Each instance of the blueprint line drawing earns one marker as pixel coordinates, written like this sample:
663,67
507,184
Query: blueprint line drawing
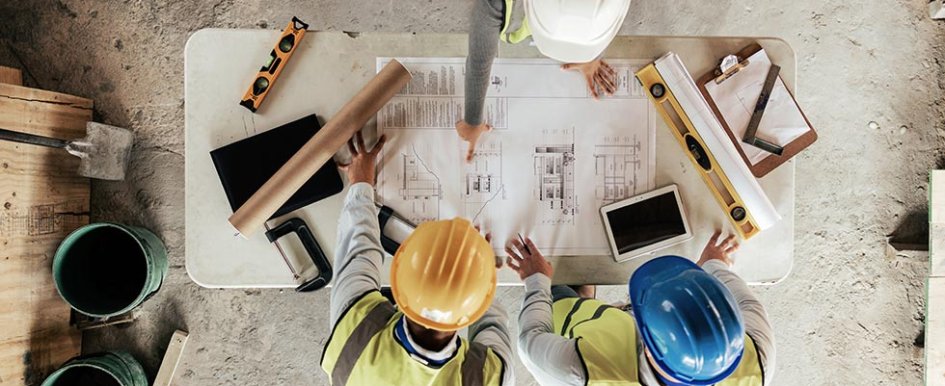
617,165
483,179
555,156
555,175
421,187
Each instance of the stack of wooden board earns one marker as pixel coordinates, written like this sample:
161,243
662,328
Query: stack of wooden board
935,300
42,199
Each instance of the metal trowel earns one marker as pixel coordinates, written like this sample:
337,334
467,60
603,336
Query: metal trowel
104,151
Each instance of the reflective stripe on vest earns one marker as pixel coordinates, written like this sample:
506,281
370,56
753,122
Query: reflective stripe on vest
607,344
606,339
362,350
520,33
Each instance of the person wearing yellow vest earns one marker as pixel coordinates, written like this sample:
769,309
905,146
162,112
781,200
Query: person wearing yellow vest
574,32
443,279
688,324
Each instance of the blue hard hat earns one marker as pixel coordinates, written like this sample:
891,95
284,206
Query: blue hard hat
688,319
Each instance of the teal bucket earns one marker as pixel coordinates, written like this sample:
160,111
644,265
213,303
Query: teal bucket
106,269
104,369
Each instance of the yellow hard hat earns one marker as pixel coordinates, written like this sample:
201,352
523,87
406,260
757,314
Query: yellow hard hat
443,275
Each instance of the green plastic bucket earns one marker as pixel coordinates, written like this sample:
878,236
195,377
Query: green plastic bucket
104,369
106,269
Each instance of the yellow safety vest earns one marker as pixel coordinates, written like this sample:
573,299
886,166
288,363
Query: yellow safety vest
362,350
607,344
520,33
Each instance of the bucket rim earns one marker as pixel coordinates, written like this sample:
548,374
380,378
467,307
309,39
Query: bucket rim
68,366
75,234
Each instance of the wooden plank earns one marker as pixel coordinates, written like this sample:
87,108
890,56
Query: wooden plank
935,333
10,75
165,375
42,199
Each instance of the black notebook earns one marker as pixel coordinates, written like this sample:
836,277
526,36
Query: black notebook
246,165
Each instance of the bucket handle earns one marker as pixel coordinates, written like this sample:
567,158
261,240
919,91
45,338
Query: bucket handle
300,228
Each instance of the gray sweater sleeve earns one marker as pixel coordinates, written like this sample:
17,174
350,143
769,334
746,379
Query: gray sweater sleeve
492,330
551,358
485,24
358,257
757,325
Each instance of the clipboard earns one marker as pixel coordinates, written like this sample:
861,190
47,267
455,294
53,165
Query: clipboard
740,88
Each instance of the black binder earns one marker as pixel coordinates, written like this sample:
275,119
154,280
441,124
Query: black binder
245,165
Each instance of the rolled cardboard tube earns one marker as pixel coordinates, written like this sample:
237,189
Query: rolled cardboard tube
250,217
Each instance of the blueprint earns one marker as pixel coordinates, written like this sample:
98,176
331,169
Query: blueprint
554,157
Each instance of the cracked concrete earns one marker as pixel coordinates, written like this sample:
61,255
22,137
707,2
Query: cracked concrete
871,78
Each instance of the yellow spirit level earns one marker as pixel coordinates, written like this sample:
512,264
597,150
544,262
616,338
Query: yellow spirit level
266,78
748,218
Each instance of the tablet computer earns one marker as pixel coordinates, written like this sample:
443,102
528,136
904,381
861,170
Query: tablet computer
645,223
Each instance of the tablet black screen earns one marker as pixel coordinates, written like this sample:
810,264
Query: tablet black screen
646,222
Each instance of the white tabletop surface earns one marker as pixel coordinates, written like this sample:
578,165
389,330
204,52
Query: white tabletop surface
328,68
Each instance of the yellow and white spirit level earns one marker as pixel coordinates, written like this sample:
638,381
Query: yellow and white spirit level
669,86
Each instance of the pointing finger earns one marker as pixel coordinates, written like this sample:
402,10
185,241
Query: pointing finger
567,66
714,240
351,148
361,142
379,145
471,151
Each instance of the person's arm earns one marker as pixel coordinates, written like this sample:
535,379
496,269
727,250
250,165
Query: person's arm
548,356
359,255
753,312
485,24
492,330
716,260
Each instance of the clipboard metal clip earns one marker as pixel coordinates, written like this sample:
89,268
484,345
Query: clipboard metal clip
729,66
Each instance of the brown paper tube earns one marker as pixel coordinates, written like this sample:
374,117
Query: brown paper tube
318,150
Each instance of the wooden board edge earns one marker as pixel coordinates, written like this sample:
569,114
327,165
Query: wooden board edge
172,357
44,96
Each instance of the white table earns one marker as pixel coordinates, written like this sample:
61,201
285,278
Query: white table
330,67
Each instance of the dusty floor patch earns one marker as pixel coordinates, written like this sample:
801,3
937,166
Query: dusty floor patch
871,77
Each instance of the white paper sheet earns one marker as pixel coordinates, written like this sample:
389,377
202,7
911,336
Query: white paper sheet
737,96
554,158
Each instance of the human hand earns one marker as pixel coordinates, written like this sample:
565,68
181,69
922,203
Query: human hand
362,165
470,133
719,251
600,76
528,260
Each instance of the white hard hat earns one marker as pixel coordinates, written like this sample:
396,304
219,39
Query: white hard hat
574,31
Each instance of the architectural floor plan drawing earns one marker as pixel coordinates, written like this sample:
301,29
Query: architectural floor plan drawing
554,188
555,156
618,167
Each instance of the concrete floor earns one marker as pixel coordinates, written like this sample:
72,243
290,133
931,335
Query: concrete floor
849,314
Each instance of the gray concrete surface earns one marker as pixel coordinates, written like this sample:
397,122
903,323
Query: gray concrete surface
849,314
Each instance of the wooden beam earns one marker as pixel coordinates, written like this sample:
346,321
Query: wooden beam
175,349
10,75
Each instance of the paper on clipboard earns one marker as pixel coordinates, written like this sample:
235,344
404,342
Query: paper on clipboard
736,97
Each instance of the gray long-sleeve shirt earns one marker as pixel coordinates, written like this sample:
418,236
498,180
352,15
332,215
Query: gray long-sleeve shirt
485,24
358,261
553,359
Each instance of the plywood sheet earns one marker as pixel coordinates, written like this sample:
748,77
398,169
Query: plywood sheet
935,333
937,223
41,201
11,75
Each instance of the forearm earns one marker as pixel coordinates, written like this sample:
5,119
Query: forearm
484,27
492,330
358,257
757,325
546,354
